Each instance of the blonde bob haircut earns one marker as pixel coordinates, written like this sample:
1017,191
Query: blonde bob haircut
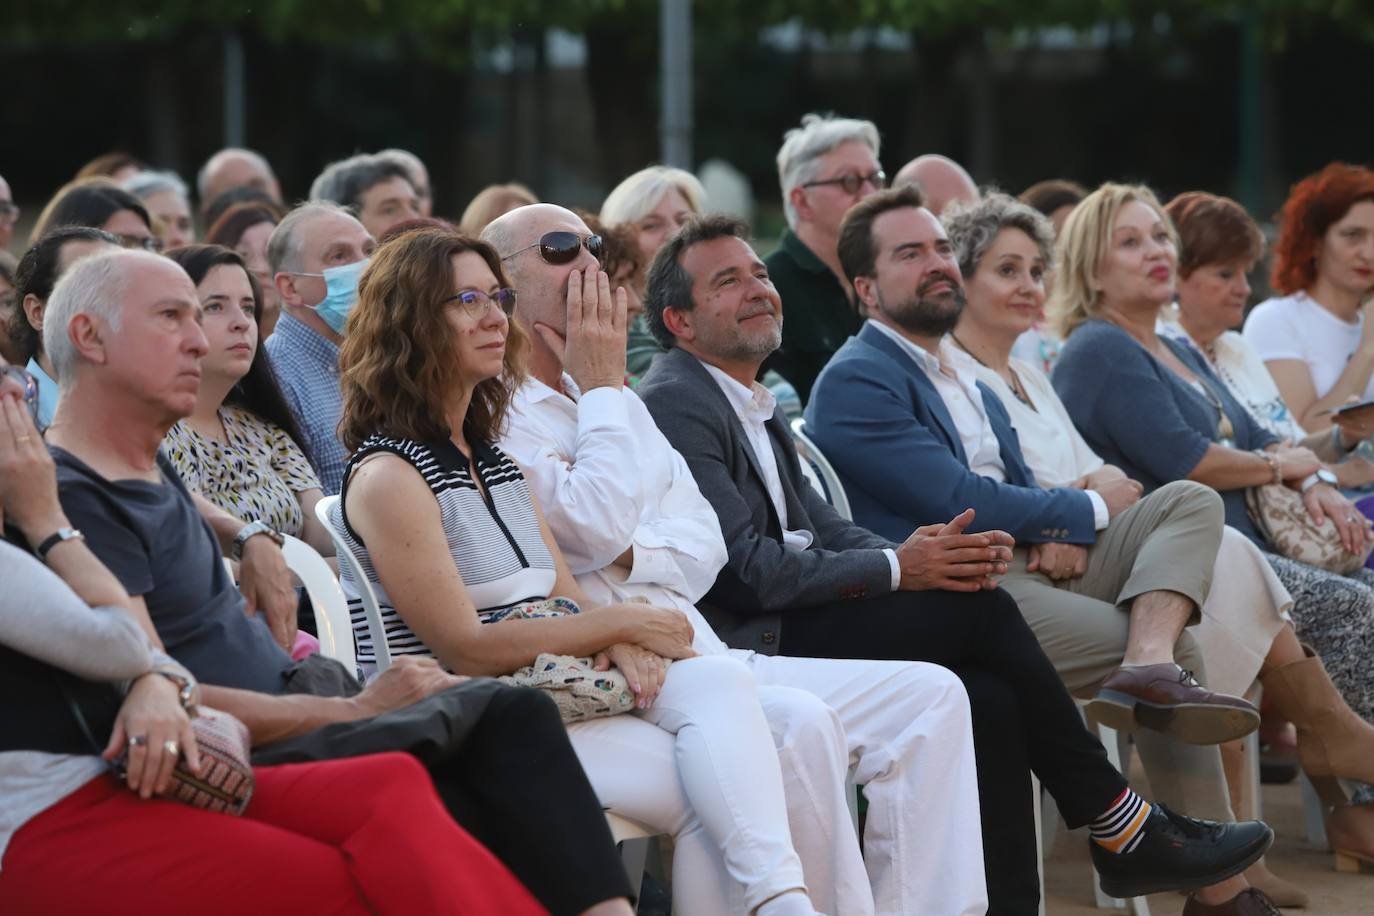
633,199
1081,248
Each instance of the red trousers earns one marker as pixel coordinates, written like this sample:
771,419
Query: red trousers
360,835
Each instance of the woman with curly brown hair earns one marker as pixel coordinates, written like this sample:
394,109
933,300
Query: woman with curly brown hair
1317,336
453,543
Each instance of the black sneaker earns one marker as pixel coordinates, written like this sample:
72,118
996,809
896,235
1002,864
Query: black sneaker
1180,853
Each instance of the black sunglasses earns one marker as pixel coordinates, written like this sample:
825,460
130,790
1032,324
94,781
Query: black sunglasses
853,183
562,247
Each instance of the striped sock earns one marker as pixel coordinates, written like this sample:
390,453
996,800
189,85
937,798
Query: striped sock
1121,827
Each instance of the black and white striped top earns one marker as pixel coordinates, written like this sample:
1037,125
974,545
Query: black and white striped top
495,541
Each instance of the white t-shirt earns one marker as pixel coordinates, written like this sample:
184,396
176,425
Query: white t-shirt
1296,327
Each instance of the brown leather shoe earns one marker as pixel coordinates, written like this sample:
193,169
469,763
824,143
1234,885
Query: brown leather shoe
1249,902
1168,699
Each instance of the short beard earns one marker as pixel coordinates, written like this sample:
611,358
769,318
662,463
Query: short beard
736,346
925,316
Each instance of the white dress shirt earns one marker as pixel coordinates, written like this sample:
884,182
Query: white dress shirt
954,375
754,406
573,451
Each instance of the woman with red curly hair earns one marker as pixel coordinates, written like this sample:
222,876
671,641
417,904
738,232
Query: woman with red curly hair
1317,337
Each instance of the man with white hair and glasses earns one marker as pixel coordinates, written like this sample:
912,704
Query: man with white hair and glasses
825,166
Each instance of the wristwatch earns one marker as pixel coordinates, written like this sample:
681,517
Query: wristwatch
252,529
186,689
1322,475
57,537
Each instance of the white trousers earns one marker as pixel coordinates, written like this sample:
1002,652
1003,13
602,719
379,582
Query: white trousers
906,733
700,765
910,744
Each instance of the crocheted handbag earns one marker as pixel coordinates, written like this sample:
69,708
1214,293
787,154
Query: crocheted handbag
580,691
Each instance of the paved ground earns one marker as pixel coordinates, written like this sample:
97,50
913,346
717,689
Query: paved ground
1069,888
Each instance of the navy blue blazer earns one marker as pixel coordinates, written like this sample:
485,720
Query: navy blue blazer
880,421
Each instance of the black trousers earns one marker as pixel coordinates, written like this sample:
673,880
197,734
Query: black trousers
502,763
1023,719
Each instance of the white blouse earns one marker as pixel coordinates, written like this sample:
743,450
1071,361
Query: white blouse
1054,451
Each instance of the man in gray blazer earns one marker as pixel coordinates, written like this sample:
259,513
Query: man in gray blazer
802,581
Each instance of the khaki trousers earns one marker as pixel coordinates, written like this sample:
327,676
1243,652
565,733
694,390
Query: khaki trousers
1166,542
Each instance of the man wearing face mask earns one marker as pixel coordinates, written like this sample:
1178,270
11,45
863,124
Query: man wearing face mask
316,254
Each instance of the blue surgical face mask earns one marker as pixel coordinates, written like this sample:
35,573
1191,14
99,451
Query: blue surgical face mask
341,292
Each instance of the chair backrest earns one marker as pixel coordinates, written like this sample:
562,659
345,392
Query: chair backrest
372,611
813,461
331,608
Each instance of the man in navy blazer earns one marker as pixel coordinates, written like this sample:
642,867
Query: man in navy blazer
914,435
802,581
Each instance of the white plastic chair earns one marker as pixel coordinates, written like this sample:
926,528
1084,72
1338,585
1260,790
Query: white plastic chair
372,611
813,460
335,631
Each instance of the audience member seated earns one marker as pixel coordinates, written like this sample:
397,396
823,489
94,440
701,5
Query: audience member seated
626,266
631,523
451,540
941,180
241,448
650,205
419,177
1317,337
1003,249
10,311
1153,407
34,280
69,636
375,189
246,227
232,168
9,214
100,204
491,202
1219,246
802,581
164,196
117,166
316,255
125,335
825,166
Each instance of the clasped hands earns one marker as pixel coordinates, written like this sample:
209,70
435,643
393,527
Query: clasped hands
943,557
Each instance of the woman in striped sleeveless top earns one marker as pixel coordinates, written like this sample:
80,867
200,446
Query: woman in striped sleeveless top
449,536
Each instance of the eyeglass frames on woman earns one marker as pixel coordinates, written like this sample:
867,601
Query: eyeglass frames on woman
475,302
28,384
562,247
852,184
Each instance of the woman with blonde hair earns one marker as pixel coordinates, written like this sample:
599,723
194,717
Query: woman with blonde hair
656,201
493,201
1154,407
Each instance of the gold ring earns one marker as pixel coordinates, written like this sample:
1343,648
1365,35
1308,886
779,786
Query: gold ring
23,438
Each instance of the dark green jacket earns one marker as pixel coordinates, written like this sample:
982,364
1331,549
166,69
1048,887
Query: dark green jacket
817,314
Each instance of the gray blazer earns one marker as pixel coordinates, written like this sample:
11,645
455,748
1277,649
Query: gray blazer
763,577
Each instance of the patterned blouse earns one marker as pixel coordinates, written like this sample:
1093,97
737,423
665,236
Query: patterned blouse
255,476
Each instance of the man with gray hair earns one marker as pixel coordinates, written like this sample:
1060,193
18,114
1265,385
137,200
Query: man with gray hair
235,168
825,166
375,188
165,196
316,254
419,176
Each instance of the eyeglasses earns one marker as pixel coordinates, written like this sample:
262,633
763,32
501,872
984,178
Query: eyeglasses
475,302
562,247
28,384
852,184
9,213
149,242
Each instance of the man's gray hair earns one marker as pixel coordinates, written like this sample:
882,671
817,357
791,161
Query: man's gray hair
346,181
802,148
146,184
284,245
973,227
92,286
413,164
203,176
